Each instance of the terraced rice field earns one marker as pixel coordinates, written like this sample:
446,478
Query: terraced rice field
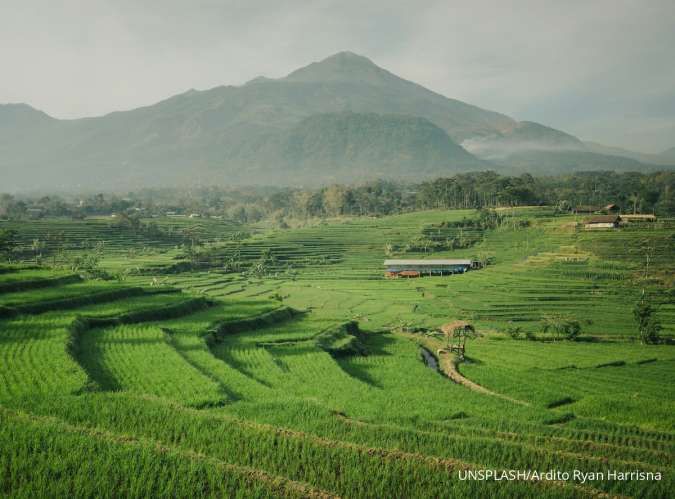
297,381
124,247
78,234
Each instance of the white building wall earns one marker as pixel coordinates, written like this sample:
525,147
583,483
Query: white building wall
599,226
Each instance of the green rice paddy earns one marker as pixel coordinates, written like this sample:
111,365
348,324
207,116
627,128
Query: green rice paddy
286,374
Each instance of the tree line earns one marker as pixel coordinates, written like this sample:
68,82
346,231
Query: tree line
634,192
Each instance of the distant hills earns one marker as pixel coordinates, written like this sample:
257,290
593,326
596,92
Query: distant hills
668,155
340,119
554,162
664,158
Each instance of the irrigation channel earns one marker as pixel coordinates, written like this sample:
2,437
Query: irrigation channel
429,359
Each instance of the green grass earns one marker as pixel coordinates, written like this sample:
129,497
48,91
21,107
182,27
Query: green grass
140,359
222,389
23,275
19,298
83,462
545,373
34,348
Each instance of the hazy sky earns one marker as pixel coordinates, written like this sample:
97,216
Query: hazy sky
602,70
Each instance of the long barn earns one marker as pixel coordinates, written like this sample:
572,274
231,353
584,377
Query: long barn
416,268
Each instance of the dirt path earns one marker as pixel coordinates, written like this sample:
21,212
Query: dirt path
447,364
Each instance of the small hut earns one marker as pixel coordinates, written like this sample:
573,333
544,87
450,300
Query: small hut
456,333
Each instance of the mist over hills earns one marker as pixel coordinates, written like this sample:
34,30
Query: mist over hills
524,136
340,119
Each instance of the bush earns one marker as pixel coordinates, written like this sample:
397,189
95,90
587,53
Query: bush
514,331
649,327
561,327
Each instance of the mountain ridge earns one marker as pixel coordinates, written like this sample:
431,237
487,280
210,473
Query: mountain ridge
236,133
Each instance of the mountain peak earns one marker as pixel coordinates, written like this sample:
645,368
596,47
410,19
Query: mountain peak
347,57
343,66
258,79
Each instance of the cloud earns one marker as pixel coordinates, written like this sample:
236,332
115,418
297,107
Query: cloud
576,65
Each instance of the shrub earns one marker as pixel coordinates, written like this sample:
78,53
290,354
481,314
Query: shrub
649,327
561,327
514,331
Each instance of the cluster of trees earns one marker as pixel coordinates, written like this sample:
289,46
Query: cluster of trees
479,190
487,219
645,193
6,242
633,192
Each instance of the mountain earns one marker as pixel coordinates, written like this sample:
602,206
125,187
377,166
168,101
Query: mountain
346,146
655,159
668,155
21,115
548,162
341,117
368,145
353,82
19,124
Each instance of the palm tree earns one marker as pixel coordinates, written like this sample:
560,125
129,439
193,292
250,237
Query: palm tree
634,198
37,247
388,249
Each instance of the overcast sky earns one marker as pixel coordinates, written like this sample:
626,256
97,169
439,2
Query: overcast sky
602,70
